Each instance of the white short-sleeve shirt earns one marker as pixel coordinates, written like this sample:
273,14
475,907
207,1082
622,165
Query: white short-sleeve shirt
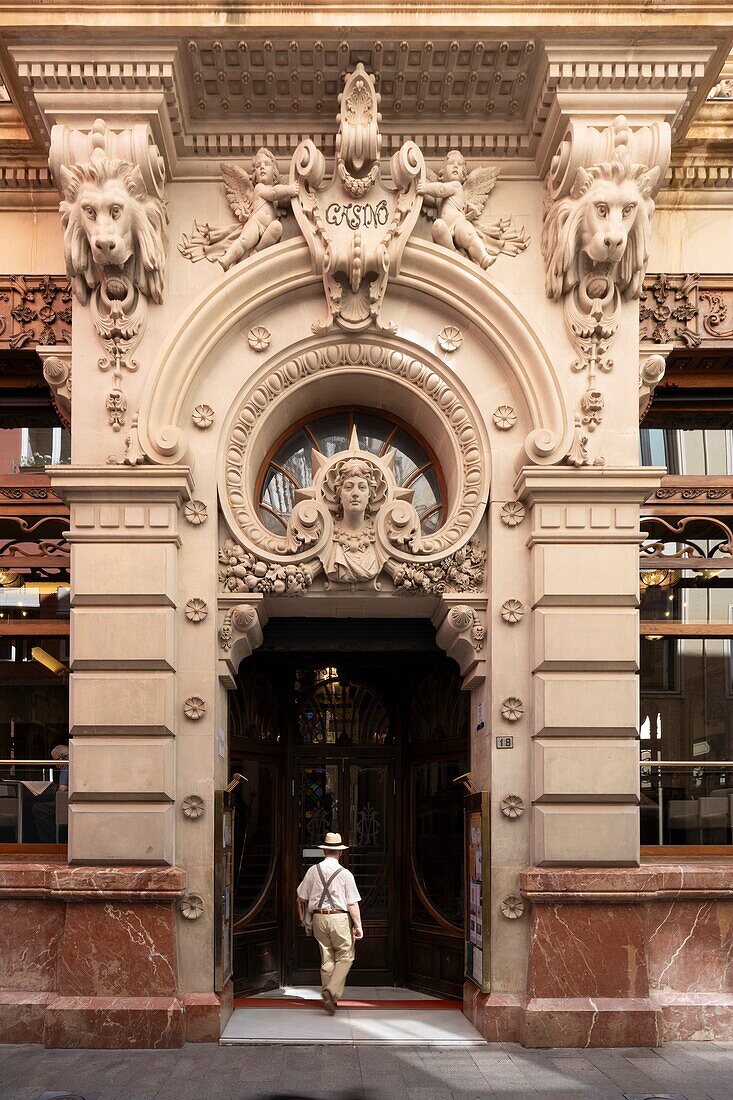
343,888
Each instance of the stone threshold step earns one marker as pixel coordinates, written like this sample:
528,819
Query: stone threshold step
354,1042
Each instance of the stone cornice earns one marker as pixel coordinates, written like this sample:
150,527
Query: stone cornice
563,485
152,484
492,96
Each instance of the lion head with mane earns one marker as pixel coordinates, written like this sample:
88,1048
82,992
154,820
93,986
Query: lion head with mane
605,220
109,220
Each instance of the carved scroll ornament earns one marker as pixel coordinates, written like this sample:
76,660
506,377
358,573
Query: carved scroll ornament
115,238
355,226
596,237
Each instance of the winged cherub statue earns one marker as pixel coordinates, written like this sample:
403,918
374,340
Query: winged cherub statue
460,198
254,201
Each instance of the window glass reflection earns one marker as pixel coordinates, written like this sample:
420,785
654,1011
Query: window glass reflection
290,468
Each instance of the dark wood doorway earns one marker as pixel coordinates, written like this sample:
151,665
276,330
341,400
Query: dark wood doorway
368,744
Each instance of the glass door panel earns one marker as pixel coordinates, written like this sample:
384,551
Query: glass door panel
352,797
368,834
256,886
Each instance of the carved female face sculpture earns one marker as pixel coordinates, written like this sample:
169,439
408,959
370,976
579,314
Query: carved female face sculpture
354,497
355,488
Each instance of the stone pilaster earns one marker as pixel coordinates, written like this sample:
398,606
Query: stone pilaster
124,538
585,643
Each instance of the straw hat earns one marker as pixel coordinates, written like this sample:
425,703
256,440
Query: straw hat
332,843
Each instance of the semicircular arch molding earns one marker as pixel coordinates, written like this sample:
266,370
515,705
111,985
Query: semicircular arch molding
429,272
334,371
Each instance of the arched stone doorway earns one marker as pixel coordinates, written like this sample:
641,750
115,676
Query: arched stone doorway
244,369
358,727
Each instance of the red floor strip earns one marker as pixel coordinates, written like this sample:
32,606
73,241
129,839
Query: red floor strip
300,1002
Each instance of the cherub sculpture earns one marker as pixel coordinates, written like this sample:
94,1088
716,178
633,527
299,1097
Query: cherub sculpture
254,201
460,197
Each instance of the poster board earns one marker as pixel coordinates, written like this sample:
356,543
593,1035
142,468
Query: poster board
478,892
223,884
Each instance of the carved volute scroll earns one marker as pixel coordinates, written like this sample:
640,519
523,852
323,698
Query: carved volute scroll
355,226
115,237
596,238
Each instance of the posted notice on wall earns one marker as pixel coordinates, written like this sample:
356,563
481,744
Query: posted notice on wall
474,947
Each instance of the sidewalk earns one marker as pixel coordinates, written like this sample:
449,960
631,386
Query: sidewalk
685,1071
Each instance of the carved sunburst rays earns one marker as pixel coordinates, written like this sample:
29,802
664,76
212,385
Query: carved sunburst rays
328,474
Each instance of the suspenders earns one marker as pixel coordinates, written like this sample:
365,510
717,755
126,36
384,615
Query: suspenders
326,895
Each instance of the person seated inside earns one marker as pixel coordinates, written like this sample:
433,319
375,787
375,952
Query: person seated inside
44,805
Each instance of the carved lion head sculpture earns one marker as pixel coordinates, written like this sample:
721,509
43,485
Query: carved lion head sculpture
606,219
110,220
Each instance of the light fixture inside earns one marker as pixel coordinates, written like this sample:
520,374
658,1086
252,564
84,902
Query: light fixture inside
48,661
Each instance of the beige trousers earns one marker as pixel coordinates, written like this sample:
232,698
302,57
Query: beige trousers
336,941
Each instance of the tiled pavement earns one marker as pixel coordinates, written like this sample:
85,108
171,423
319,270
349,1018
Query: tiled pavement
693,1071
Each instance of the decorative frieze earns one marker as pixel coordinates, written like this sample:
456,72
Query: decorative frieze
34,309
689,312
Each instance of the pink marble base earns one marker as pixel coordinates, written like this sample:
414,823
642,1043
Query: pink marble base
207,1014
88,956
621,956
116,1023
499,1017
22,1016
702,1016
596,1022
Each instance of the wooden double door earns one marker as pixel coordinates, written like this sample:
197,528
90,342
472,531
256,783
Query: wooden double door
369,750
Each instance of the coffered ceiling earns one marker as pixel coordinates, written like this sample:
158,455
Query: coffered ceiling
212,95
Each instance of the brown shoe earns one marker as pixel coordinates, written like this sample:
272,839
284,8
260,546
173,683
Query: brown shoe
328,1002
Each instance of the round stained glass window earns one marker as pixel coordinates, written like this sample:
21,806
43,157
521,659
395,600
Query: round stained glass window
290,466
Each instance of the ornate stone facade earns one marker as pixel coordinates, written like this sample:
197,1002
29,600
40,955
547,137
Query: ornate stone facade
450,228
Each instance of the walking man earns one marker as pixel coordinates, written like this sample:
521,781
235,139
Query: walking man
328,898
